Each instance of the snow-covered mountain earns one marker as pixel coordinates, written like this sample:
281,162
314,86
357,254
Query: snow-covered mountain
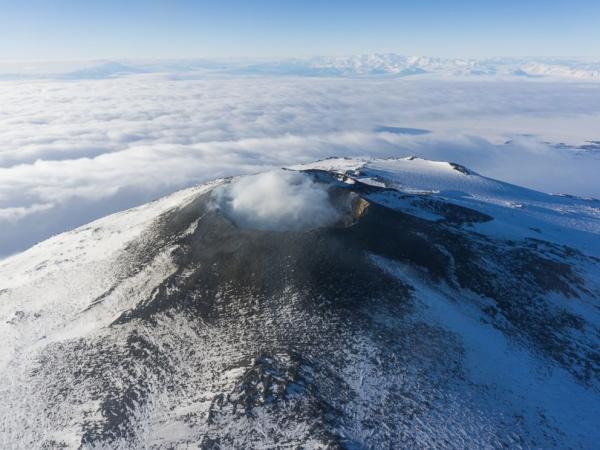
347,303
396,64
366,65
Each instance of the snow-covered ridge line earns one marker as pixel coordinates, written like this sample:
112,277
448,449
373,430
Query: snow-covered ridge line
430,311
393,64
518,212
366,65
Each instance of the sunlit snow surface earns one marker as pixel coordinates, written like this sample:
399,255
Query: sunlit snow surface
166,326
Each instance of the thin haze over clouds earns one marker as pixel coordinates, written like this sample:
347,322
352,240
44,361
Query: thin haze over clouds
75,150
59,29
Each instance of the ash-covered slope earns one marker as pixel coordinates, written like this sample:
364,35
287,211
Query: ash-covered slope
342,304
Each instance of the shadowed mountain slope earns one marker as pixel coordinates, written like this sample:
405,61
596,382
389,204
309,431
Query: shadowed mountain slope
431,307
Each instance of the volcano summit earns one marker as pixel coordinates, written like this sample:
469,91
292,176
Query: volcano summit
352,304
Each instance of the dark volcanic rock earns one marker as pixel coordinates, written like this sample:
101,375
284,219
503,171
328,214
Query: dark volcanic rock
325,337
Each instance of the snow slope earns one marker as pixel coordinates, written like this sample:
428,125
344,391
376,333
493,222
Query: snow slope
518,212
445,310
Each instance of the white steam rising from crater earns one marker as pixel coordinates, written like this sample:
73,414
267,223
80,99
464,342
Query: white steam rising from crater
278,200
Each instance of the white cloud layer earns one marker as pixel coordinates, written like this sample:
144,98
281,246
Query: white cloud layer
74,150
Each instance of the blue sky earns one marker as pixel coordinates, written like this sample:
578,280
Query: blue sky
63,29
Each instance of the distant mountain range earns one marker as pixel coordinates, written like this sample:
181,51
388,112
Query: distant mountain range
398,65
368,65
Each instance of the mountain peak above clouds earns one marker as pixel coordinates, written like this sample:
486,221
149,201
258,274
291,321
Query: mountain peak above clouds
346,303
364,65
